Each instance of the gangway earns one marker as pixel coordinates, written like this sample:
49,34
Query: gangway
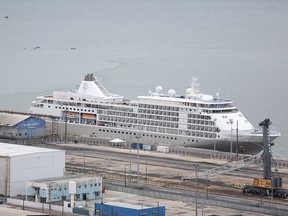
226,168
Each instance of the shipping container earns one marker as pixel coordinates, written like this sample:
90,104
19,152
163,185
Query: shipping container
135,145
147,147
163,149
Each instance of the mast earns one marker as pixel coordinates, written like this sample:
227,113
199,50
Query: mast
266,156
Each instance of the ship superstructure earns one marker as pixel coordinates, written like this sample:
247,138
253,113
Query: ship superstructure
192,120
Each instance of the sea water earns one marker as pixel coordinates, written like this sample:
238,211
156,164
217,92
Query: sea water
238,49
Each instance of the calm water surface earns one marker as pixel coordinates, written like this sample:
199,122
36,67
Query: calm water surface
237,48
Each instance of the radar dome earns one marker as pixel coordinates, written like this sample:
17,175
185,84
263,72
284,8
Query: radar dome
171,93
159,89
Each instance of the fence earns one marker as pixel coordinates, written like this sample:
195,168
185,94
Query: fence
191,152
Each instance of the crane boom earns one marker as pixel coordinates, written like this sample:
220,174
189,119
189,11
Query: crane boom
225,168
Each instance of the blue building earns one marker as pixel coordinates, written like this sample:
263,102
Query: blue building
124,209
18,126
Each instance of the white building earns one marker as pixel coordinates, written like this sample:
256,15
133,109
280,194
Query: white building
57,189
19,164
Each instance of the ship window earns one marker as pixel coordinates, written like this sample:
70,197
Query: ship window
48,106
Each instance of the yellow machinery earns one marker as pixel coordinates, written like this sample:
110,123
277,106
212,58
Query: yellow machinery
268,185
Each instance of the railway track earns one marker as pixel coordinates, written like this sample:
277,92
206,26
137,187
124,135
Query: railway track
111,165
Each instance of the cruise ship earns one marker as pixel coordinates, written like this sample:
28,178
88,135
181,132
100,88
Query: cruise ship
193,119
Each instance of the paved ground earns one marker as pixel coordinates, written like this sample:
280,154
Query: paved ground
172,207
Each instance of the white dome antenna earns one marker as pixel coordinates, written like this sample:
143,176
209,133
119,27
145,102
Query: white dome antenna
159,89
171,93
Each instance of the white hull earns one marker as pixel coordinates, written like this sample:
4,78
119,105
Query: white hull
246,143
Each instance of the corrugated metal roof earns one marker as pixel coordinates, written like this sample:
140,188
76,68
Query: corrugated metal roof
10,150
7,119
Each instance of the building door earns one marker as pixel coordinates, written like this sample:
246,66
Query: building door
31,132
84,196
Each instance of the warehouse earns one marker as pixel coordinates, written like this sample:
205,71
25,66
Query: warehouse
18,126
19,164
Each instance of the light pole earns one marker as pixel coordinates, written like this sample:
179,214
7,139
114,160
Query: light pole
237,131
137,137
130,162
84,162
65,125
215,119
125,176
196,181
231,122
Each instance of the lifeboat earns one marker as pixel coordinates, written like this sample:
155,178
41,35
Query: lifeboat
89,116
72,114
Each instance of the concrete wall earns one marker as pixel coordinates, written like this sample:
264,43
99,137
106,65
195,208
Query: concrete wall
34,166
45,207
